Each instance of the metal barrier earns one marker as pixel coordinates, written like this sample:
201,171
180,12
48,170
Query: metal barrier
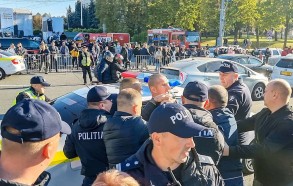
49,63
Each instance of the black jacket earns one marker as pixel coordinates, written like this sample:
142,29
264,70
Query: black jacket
143,168
86,141
240,103
205,144
43,180
229,167
273,148
148,109
123,136
116,67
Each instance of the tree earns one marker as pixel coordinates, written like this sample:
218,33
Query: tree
93,21
37,22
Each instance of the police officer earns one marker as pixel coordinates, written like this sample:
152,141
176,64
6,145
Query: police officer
239,97
169,157
86,139
86,61
194,98
126,120
35,91
230,168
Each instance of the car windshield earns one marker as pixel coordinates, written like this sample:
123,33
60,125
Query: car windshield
192,38
285,63
225,57
6,53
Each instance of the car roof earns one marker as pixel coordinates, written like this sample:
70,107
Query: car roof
287,57
187,62
113,89
233,55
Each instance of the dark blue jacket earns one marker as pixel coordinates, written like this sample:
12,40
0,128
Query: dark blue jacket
223,117
142,167
104,71
123,136
144,51
240,103
86,141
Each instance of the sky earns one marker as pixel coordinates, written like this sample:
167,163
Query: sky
54,7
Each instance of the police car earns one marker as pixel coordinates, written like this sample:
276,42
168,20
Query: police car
64,171
10,64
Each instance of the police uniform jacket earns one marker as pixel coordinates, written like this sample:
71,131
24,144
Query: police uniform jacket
148,109
273,148
23,95
240,103
229,167
209,144
104,71
86,141
123,136
43,180
143,168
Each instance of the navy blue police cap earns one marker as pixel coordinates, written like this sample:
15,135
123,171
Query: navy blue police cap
35,120
39,80
227,67
196,91
98,93
173,118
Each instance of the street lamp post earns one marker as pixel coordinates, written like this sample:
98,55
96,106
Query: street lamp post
81,21
222,23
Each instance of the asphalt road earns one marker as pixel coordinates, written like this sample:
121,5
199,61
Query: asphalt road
62,83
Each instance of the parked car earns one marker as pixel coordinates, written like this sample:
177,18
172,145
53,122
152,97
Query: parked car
10,64
251,62
284,69
275,55
205,70
31,46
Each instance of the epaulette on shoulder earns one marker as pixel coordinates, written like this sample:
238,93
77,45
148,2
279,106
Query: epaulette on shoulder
206,159
128,164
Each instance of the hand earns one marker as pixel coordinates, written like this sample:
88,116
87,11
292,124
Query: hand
164,98
226,150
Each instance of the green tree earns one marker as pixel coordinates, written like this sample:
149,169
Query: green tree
93,21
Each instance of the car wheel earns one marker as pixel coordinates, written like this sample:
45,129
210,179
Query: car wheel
2,74
258,91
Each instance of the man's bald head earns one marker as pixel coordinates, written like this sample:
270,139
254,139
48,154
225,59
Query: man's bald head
130,83
154,79
283,88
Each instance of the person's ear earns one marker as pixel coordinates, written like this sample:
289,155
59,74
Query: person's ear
135,110
206,104
47,151
153,89
156,138
183,99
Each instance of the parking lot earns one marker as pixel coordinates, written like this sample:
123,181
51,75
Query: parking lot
62,83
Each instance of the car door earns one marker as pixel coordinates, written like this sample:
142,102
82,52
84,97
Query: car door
210,75
256,65
245,76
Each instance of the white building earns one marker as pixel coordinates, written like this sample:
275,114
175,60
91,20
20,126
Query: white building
24,20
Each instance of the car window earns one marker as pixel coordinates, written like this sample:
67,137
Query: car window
254,61
275,52
241,70
242,60
6,53
213,66
285,63
33,44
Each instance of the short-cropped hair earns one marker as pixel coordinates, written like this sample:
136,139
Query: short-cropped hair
128,97
114,178
218,95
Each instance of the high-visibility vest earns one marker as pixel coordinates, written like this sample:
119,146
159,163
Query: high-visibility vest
86,59
30,93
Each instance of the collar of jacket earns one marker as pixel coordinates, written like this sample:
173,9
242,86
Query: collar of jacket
35,92
236,83
281,110
191,106
120,113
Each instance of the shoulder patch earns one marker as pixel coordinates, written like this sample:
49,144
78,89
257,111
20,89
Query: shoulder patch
206,133
205,159
128,164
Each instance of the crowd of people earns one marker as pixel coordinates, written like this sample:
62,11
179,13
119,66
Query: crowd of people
198,142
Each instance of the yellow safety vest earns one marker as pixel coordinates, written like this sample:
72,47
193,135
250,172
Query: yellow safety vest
86,59
30,93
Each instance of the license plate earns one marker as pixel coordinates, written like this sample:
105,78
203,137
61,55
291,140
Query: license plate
286,73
